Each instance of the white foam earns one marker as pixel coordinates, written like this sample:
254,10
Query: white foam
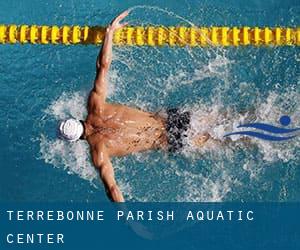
200,188
72,157
214,118
68,105
271,110
216,121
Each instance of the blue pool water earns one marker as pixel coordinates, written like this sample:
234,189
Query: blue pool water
42,84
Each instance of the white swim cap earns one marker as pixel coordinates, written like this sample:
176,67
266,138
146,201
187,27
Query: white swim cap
70,130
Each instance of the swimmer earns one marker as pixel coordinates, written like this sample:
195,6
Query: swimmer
114,130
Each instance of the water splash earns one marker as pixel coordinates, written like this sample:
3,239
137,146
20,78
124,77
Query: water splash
215,85
192,185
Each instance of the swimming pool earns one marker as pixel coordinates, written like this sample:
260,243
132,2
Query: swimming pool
42,84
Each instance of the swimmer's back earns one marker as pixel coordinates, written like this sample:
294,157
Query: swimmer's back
126,130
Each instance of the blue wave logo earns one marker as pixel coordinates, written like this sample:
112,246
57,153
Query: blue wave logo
279,133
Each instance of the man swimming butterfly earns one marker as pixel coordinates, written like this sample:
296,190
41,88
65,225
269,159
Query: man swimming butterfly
117,130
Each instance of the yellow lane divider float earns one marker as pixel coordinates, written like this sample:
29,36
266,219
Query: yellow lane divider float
152,36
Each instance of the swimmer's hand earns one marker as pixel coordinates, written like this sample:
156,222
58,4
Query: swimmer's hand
115,24
105,57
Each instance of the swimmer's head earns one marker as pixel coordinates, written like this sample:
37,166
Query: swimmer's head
70,130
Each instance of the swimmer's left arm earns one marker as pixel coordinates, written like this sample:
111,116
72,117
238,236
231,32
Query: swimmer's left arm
103,164
105,56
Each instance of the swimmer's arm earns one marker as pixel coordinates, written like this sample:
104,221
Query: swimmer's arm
103,164
105,56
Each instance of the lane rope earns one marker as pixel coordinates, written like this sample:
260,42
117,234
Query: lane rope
152,35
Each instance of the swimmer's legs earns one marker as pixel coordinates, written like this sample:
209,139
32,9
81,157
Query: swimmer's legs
200,140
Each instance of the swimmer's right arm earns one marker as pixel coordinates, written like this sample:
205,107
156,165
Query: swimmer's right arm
103,164
105,56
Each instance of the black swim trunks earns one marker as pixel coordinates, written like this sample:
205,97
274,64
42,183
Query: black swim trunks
177,125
